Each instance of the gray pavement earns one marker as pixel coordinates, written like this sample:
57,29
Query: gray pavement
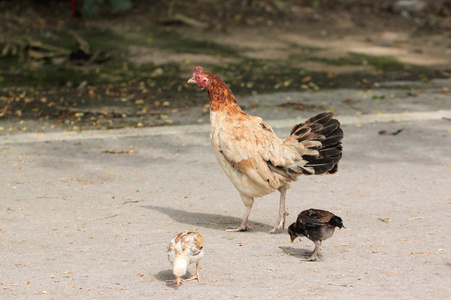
78,222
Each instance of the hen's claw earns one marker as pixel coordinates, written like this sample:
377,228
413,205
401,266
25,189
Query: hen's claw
280,224
239,228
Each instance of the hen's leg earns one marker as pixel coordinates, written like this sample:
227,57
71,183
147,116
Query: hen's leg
244,226
282,212
313,257
197,274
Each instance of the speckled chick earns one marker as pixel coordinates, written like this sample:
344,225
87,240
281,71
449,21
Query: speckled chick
315,224
186,248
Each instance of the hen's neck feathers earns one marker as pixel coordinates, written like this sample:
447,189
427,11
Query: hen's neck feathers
221,96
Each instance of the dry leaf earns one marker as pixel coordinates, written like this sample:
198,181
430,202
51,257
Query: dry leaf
415,218
337,284
384,132
385,220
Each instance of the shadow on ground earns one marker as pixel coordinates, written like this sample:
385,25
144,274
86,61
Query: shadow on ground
211,221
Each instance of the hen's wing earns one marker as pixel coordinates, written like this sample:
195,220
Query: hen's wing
252,147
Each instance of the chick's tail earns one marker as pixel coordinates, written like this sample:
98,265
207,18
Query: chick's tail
319,143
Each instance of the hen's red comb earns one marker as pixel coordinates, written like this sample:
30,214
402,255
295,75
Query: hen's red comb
199,69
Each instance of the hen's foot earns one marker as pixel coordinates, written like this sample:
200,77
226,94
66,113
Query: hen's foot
312,258
280,224
276,230
239,228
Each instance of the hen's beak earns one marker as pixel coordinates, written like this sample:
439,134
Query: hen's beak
192,80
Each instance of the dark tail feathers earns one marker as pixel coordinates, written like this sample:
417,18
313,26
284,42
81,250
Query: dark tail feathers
325,129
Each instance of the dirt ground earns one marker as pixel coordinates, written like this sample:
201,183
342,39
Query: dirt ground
80,223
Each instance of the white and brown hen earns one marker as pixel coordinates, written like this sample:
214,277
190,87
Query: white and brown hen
255,159
186,248
315,224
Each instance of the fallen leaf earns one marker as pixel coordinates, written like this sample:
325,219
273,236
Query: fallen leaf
337,284
385,220
384,132
120,152
415,218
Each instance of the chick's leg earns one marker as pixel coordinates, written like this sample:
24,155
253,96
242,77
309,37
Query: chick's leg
282,212
244,226
196,276
313,257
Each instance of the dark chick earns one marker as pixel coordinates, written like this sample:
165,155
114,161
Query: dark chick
315,224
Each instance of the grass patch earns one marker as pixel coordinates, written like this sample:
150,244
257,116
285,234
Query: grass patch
383,63
174,41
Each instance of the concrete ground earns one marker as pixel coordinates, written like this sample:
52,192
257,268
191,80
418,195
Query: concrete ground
90,215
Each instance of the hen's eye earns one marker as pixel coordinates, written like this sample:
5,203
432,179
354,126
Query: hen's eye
198,77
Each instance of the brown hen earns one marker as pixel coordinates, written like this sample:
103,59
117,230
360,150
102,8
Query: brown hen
255,159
